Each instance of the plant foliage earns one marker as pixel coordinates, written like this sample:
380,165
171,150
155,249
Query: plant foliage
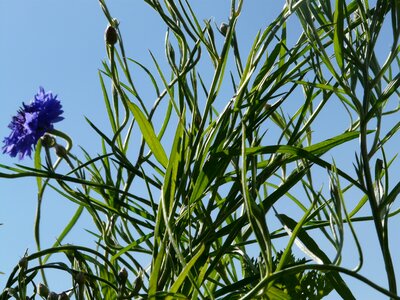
209,191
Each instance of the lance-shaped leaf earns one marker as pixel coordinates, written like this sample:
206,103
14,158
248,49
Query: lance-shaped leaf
149,135
338,20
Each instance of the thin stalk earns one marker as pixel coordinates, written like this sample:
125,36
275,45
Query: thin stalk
383,241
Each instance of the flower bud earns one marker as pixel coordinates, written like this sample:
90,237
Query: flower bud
122,276
60,151
43,290
111,35
48,140
52,296
137,284
223,28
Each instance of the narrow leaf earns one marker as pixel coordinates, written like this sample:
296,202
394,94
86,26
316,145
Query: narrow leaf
185,272
149,135
338,20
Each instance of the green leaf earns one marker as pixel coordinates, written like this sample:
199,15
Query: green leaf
303,236
338,20
155,271
135,243
170,179
324,146
277,294
185,272
149,135
296,152
211,170
322,86
391,88
266,68
107,104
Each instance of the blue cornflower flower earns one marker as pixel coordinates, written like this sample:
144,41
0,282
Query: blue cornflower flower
31,123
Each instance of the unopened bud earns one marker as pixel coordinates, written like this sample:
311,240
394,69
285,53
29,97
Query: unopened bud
137,284
111,35
123,276
52,296
223,28
48,140
60,151
43,290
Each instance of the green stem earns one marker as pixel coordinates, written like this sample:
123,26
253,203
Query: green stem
383,240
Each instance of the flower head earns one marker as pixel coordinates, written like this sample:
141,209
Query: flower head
31,123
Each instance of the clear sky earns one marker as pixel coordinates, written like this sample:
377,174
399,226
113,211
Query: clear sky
59,45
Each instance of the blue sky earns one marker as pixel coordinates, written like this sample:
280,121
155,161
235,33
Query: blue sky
59,45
